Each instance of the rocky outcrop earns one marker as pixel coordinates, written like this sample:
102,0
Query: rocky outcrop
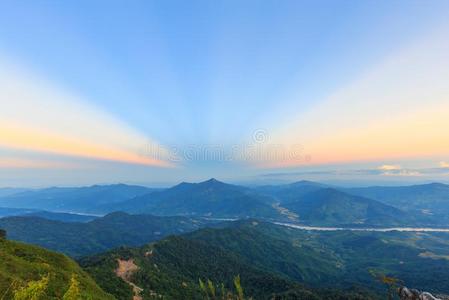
413,294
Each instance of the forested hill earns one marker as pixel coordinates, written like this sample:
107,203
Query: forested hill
111,231
173,267
27,270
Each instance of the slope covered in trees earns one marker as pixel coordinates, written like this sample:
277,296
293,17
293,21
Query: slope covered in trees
27,270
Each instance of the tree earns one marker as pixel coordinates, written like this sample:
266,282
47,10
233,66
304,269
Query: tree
238,287
73,293
34,290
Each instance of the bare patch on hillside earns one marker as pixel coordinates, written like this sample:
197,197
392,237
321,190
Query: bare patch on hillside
125,270
284,211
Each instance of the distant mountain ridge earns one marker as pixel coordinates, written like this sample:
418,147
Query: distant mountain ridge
333,207
432,198
285,193
211,198
425,204
8,191
50,215
80,199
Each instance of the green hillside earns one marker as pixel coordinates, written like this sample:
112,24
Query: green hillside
273,251
21,265
173,267
113,230
338,259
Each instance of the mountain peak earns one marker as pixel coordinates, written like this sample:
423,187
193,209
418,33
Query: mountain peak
212,181
306,182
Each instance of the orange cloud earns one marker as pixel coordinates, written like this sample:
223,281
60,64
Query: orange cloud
408,136
397,110
37,115
18,137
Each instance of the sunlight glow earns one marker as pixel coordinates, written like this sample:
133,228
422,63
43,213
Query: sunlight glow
39,117
397,110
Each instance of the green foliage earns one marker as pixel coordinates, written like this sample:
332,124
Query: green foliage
339,259
73,293
183,268
22,267
271,260
211,288
203,288
176,264
256,245
238,287
223,291
34,290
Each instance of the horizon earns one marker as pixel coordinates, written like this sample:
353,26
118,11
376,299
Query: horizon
154,93
250,184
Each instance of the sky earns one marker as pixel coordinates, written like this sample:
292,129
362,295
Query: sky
158,92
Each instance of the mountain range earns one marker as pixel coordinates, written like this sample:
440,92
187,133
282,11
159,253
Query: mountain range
329,206
306,202
210,198
285,193
69,199
50,215
174,253
113,230
431,198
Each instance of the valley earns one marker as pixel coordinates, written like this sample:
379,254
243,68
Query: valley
323,243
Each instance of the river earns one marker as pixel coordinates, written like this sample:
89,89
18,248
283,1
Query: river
386,229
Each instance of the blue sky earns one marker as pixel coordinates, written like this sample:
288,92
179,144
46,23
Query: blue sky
184,76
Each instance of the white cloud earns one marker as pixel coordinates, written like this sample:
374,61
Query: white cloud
444,165
390,167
